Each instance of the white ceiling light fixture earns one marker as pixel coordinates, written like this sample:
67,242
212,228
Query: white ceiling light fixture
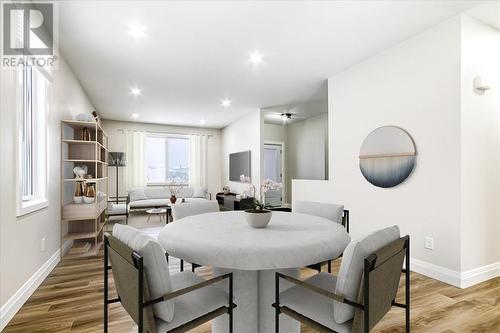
134,116
256,58
137,30
135,91
226,103
203,122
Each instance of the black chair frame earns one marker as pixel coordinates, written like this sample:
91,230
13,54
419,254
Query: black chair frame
120,199
138,263
369,265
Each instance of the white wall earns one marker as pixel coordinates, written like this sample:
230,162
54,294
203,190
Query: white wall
308,148
20,238
117,143
274,133
480,162
241,135
425,86
415,85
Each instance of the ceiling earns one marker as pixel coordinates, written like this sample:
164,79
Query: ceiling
196,53
297,111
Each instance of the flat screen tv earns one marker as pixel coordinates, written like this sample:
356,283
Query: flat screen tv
239,164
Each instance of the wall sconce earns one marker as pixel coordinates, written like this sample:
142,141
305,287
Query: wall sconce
479,87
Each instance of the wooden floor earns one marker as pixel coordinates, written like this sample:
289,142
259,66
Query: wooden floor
70,300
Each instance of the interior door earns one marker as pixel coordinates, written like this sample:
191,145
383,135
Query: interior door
273,154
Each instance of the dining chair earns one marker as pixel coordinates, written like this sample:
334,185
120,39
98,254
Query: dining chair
360,296
156,300
185,209
333,212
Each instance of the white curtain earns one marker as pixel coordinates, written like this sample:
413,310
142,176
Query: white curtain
135,172
198,160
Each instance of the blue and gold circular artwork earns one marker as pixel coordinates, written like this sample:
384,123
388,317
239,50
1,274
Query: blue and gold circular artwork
387,156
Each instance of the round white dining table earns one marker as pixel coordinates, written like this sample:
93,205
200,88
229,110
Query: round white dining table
226,242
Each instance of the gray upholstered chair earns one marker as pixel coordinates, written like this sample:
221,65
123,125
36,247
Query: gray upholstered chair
333,212
360,296
156,300
186,209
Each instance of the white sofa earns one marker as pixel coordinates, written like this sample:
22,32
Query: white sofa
159,196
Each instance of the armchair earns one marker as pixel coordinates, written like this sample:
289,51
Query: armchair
355,302
139,277
333,212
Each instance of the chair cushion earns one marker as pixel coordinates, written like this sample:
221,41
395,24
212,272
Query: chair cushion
313,305
194,304
155,265
137,193
181,210
351,268
196,200
329,211
149,203
117,208
156,192
199,192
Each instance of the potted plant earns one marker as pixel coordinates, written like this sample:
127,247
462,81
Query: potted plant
258,216
174,188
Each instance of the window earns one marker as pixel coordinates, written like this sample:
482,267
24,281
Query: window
32,120
167,159
27,141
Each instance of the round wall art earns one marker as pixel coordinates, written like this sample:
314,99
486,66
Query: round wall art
387,156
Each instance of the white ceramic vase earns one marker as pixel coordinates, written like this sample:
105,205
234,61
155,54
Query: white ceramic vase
78,199
88,200
258,219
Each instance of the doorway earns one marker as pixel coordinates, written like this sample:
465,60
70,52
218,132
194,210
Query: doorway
273,169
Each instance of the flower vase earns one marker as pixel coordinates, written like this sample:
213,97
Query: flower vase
258,218
173,199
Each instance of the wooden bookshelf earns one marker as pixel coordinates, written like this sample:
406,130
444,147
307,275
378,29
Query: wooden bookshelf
83,143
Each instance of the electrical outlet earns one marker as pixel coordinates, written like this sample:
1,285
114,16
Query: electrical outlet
429,243
43,244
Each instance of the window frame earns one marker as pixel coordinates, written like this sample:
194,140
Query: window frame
39,164
166,136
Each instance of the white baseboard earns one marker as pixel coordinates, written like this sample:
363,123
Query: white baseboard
10,308
436,272
480,274
461,280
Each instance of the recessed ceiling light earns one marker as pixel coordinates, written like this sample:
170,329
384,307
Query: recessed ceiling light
225,103
135,91
137,30
134,116
255,58
203,122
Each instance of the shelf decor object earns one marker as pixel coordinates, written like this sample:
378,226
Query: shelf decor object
117,159
84,187
387,156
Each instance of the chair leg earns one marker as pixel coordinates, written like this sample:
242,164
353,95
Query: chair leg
277,304
407,287
231,303
231,321
105,286
192,268
329,266
182,265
